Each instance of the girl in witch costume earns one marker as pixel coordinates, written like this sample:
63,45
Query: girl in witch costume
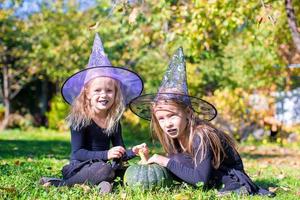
197,152
98,96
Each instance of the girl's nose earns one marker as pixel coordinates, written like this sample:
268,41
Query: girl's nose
103,94
169,124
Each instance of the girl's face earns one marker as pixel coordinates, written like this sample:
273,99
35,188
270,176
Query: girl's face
101,93
172,119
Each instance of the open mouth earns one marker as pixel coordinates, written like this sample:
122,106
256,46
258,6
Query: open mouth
103,102
172,131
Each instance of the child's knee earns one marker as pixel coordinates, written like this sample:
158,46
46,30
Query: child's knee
105,172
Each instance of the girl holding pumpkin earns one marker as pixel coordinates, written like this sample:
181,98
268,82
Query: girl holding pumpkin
98,95
197,152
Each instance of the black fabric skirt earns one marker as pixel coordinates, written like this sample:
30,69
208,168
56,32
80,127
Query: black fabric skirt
234,179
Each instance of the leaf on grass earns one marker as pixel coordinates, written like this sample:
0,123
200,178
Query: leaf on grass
123,195
258,173
264,166
85,188
182,197
281,176
47,184
29,159
17,162
284,188
10,189
273,189
252,148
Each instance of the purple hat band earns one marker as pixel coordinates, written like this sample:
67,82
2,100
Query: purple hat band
131,83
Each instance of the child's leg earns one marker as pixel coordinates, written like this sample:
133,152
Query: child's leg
93,173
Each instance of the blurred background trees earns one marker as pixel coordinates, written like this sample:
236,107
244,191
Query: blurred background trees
240,54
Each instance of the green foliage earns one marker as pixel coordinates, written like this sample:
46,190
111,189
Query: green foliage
57,114
61,46
228,44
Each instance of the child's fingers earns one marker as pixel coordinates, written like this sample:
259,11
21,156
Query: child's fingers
117,155
143,145
119,149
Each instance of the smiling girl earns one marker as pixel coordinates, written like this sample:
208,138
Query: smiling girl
98,95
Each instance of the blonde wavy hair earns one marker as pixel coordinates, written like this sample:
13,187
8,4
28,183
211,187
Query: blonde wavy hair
209,135
81,113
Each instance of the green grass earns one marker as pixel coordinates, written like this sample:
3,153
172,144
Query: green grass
27,156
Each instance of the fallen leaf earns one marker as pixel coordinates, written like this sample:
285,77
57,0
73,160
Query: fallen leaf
252,148
273,189
8,189
123,195
47,184
181,197
85,188
285,188
264,166
258,173
17,162
281,176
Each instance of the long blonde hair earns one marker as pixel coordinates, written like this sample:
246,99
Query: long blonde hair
81,115
210,137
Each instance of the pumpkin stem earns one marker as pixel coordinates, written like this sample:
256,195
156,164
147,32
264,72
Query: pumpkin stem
143,158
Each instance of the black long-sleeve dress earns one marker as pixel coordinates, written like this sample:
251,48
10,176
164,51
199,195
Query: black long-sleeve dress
230,173
88,160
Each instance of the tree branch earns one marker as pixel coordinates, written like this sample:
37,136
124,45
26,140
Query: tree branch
292,23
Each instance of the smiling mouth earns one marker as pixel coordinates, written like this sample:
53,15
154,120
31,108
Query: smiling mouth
103,102
172,131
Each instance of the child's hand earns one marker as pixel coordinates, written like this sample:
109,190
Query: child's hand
143,148
161,160
115,152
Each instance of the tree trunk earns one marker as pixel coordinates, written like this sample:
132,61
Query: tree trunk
44,102
292,23
6,98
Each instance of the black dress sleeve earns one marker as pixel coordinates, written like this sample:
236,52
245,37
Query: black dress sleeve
78,150
117,140
193,173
